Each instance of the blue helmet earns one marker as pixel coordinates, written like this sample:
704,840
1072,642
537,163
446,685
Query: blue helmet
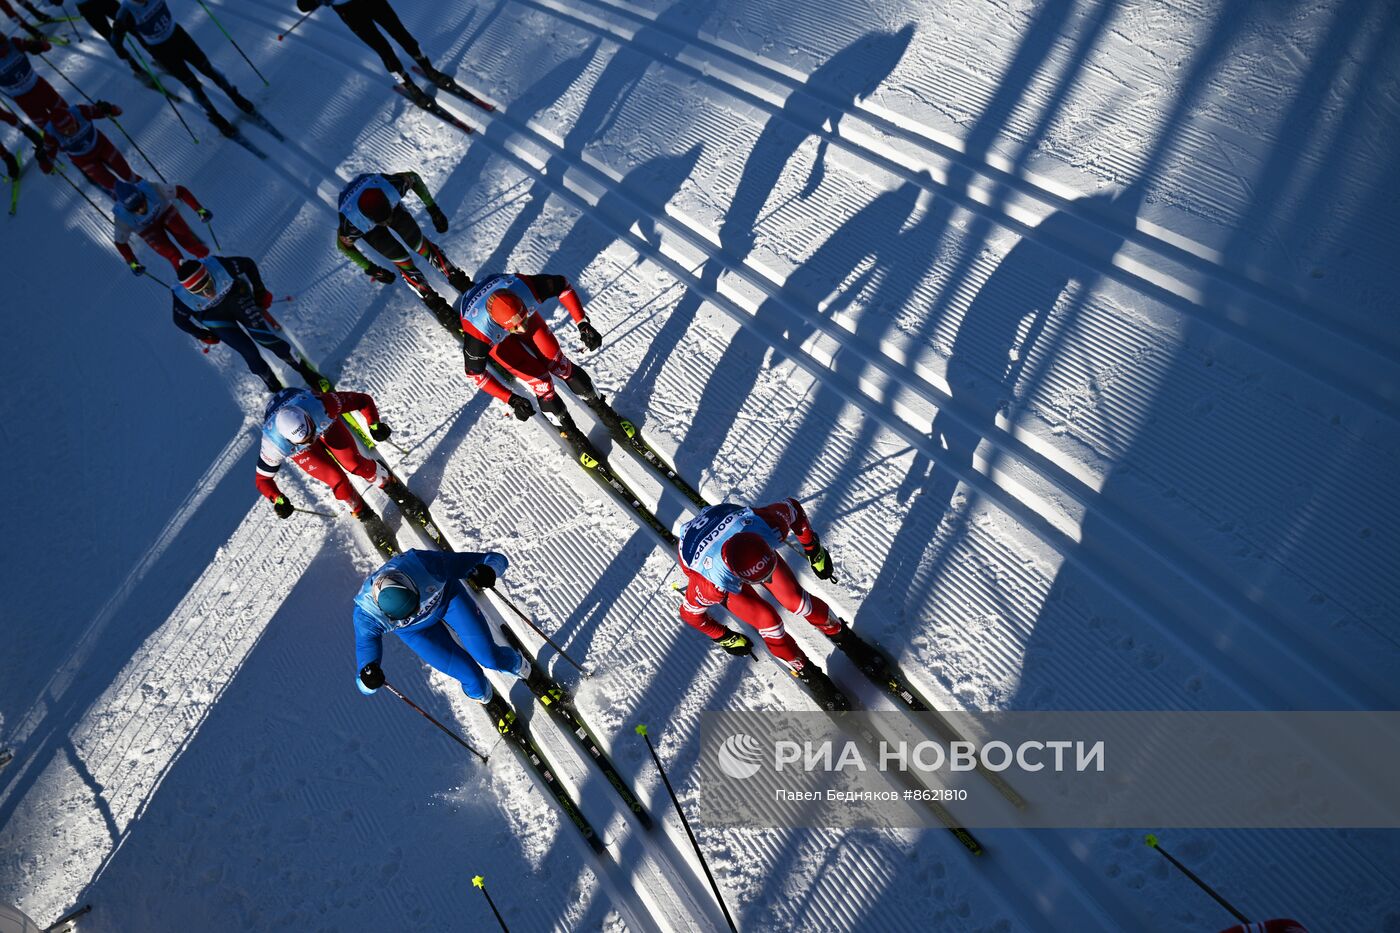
128,195
395,594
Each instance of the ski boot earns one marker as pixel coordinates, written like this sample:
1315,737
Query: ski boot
241,102
545,690
440,78
312,378
502,716
863,655
557,415
826,693
379,534
221,124
413,92
459,279
434,302
582,386
408,503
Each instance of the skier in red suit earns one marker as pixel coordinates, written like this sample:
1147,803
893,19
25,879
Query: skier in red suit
21,83
295,421
148,209
500,319
72,132
727,552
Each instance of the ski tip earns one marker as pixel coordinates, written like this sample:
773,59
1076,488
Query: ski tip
478,881
1150,841
641,728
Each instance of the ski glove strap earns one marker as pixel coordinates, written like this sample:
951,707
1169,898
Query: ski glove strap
588,335
482,577
521,406
371,678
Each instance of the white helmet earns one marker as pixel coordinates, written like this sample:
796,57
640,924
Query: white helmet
295,424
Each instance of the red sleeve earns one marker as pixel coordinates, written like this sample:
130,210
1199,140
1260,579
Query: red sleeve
700,594
7,117
127,254
183,194
355,401
90,111
787,517
268,487
545,287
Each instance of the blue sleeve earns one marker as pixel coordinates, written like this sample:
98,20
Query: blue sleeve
456,566
369,640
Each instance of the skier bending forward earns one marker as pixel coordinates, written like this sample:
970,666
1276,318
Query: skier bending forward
294,421
726,551
418,595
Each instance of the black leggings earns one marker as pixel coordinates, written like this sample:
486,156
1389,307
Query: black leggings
99,15
384,242
362,16
230,329
178,53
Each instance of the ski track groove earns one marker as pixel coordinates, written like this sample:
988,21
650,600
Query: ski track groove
1319,640
998,171
1202,645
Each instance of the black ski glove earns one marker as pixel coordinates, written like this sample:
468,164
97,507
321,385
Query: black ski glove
205,214
379,274
379,431
306,6
372,676
588,335
519,404
438,218
482,577
735,644
137,268
282,507
819,558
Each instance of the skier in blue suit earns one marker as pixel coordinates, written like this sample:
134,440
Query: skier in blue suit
418,595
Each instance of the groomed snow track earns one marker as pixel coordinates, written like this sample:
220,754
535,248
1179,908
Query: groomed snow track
1072,443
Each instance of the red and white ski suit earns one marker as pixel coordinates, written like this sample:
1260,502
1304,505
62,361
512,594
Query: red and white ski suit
534,356
785,517
331,456
158,231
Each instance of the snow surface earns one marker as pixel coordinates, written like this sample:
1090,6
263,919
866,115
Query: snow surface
1073,323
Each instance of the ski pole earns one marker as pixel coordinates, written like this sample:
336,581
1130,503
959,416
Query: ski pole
1151,841
161,87
537,630
265,82
304,17
64,175
297,508
428,716
115,122
159,281
215,237
642,731
70,916
72,22
480,883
